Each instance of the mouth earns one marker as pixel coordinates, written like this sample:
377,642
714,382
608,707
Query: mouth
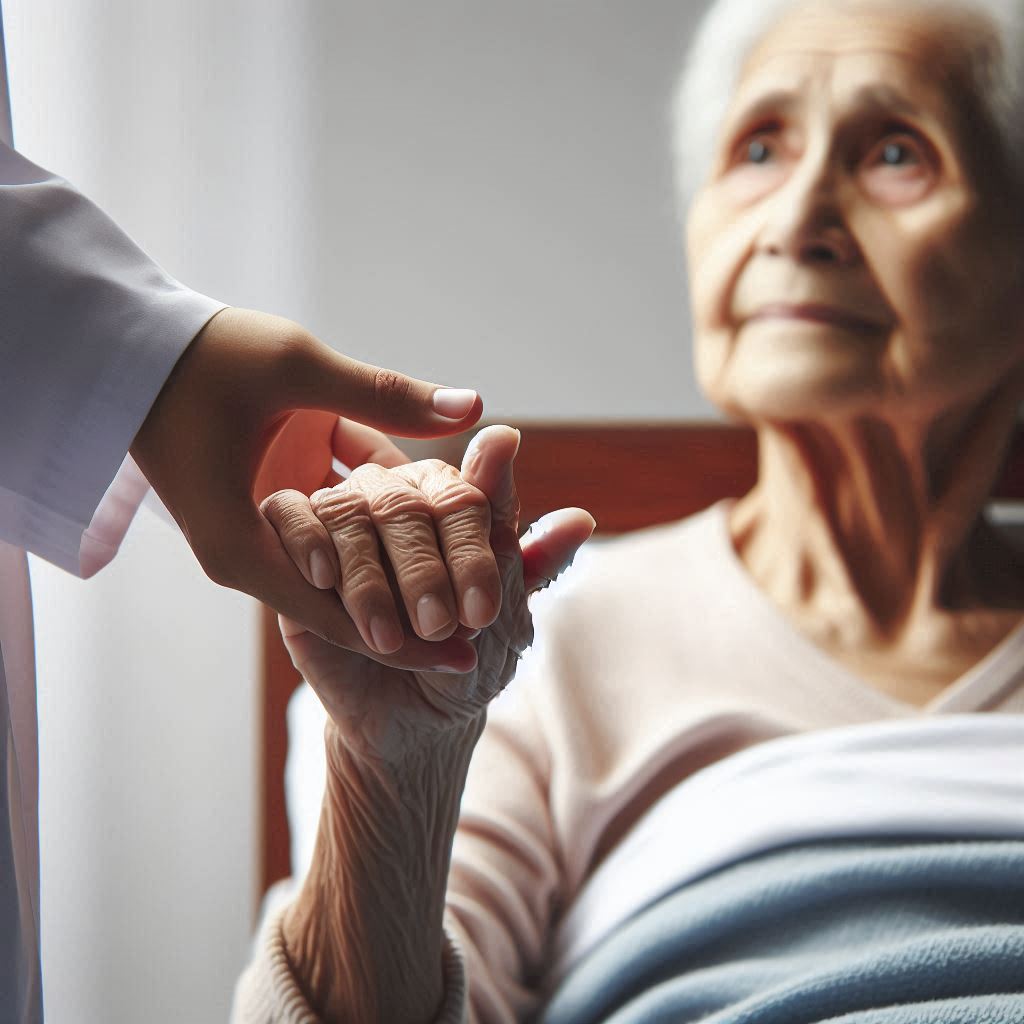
813,312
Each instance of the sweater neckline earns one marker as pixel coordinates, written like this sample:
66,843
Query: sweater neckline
984,684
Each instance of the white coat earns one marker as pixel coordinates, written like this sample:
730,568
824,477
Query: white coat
90,328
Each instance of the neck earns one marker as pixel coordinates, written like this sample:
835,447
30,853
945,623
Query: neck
870,533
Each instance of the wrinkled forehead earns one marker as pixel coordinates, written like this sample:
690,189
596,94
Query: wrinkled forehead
928,31
856,58
880,79
926,50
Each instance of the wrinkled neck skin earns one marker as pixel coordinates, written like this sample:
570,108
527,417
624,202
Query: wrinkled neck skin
868,533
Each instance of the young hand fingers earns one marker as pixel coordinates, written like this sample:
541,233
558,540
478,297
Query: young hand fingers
355,444
551,544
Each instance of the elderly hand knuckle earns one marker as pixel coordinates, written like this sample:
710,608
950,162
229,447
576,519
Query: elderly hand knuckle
396,503
341,507
363,583
364,475
299,527
278,504
320,501
269,506
422,573
465,543
460,503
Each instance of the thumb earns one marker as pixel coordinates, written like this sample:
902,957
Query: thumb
488,465
550,546
386,399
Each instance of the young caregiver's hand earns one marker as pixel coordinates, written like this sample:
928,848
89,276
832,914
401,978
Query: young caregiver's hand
252,407
432,551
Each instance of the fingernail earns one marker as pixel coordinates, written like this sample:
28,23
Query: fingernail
432,615
453,403
387,637
320,570
479,607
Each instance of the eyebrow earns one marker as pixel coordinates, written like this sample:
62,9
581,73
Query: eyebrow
779,101
885,99
875,98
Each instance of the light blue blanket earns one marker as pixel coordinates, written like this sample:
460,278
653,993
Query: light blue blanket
886,932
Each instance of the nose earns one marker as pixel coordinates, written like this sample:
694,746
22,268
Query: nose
806,223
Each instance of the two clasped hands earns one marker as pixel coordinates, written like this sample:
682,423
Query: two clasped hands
431,572
403,588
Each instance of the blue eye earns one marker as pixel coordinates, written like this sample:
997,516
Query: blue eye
894,154
899,169
899,150
758,152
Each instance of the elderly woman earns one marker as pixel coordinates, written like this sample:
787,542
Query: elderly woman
739,777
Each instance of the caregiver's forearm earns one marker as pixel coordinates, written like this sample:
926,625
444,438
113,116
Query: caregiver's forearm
365,936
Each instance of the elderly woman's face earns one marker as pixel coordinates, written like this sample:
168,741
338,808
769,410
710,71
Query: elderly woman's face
856,249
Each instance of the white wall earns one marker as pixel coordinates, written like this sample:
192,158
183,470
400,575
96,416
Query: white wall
500,210
147,739
479,194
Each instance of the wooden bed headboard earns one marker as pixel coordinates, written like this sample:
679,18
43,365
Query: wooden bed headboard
673,470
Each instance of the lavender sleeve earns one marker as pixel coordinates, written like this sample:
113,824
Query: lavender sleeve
90,328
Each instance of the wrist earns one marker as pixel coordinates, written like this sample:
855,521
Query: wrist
365,937
398,759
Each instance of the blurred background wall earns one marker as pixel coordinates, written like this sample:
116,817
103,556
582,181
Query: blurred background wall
475,193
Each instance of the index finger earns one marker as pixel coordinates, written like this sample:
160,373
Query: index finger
318,377
355,444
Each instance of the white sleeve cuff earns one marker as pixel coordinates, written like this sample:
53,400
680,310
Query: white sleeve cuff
112,518
90,329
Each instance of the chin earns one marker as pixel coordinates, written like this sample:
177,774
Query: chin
787,378
782,397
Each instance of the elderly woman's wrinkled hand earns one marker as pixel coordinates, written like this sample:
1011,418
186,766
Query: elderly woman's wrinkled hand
429,564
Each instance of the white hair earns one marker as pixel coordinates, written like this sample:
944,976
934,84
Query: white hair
731,29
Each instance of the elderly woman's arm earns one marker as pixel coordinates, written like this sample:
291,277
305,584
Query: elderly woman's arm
364,941
505,881
365,935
